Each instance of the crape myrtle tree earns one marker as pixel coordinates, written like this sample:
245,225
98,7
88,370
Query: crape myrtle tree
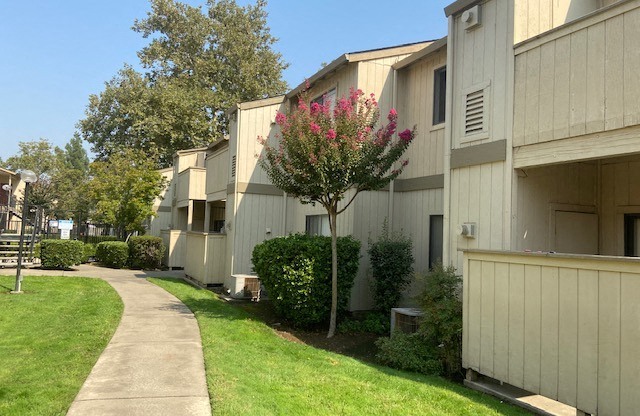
329,157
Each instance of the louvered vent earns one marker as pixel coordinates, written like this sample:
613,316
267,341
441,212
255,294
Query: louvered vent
474,113
233,166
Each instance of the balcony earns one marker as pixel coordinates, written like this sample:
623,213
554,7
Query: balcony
190,186
563,326
577,92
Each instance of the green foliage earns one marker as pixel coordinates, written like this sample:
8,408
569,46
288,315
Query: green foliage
61,254
146,252
392,268
75,157
296,271
114,254
88,252
372,323
410,352
441,323
124,189
199,62
439,336
95,239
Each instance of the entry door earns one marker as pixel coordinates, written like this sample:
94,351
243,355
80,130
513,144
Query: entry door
576,232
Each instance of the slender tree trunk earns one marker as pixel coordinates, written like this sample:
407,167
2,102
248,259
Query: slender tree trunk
334,272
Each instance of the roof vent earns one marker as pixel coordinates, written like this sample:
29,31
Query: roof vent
471,17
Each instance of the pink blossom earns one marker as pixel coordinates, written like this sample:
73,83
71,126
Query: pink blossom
354,95
315,129
313,159
331,134
302,106
261,140
281,118
405,163
406,135
393,114
343,107
315,108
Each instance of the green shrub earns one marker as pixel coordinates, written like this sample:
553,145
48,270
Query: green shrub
392,268
88,252
146,252
113,253
410,352
60,254
442,320
296,271
373,323
439,336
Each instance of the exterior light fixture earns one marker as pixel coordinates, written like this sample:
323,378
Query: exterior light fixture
28,177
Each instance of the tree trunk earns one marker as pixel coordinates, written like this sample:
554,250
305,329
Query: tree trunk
334,272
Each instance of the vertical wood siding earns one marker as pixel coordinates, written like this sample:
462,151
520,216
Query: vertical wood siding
217,175
561,326
205,257
415,108
581,80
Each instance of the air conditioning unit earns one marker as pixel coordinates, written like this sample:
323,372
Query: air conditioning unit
405,319
467,230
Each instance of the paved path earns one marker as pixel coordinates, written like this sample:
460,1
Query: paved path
153,364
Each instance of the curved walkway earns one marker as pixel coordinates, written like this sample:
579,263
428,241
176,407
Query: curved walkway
153,365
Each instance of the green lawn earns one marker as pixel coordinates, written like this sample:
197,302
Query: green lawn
252,371
50,338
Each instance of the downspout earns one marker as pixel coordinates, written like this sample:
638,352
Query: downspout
235,191
446,218
394,101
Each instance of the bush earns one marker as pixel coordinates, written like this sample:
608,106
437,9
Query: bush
296,271
60,254
439,336
410,352
88,252
442,320
392,268
113,254
372,323
146,252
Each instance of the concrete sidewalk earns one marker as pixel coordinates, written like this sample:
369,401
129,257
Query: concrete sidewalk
153,365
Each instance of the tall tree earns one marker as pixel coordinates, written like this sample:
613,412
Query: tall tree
123,189
328,158
198,63
75,157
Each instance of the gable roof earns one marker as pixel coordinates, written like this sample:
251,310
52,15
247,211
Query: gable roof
424,52
357,57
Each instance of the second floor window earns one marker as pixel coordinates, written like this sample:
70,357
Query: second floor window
327,97
439,94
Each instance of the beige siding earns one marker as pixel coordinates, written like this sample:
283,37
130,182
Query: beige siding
255,214
565,327
579,80
191,185
205,257
175,246
541,192
217,175
254,122
342,80
482,57
478,195
534,17
415,108
376,77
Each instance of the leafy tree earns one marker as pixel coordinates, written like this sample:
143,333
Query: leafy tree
75,157
198,63
328,158
44,160
123,189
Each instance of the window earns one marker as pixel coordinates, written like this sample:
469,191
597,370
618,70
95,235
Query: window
318,225
632,235
327,97
435,239
439,95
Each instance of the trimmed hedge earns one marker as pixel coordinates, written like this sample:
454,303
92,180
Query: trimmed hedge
296,271
88,252
145,252
113,254
60,254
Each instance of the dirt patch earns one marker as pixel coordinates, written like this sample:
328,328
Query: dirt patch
360,346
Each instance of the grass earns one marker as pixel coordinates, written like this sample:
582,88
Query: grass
50,338
252,371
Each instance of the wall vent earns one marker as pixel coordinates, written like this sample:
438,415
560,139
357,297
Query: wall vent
474,113
233,166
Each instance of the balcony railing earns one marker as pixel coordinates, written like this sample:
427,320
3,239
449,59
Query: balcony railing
563,326
191,185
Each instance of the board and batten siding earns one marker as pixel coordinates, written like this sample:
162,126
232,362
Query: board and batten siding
580,79
342,80
217,175
415,108
566,327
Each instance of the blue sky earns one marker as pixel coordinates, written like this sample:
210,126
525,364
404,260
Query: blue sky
56,53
